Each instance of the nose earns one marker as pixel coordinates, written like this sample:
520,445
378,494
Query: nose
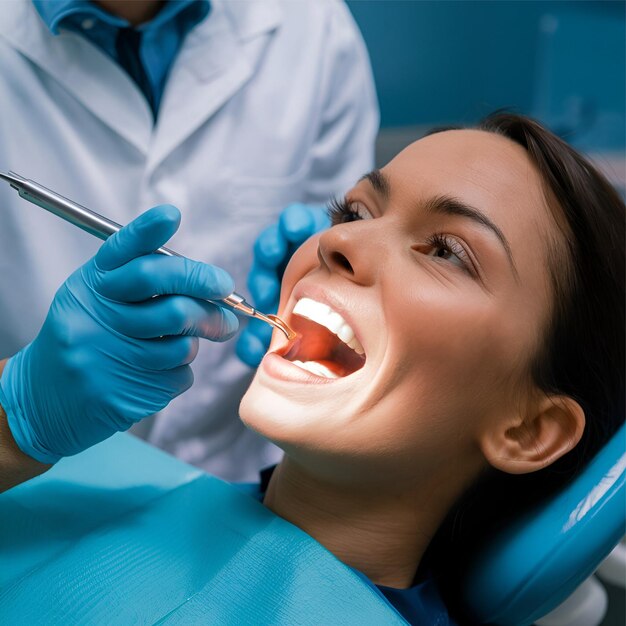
344,250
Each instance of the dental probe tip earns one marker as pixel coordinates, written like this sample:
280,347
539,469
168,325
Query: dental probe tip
276,322
281,325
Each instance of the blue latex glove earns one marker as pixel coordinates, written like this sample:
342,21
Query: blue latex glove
109,353
272,251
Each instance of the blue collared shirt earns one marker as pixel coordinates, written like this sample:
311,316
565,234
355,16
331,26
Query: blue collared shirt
146,52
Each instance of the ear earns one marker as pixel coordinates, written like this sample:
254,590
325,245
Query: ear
527,443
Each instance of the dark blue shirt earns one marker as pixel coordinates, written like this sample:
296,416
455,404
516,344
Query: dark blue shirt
146,52
420,604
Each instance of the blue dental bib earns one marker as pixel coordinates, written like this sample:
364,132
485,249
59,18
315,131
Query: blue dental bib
124,533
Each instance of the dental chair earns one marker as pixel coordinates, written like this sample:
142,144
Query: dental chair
532,567
124,533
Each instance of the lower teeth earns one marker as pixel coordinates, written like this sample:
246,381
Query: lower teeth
316,368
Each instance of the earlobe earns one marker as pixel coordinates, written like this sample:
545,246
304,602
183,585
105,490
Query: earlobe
533,441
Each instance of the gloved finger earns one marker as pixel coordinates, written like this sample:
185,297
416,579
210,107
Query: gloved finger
165,353
178,381
159,389
264,287
321,219
143,235
270,247
155,274
250,349
173,315
297,223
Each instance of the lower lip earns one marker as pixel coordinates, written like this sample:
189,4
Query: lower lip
277,367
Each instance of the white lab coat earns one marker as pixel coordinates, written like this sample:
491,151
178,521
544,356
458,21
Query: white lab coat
267,103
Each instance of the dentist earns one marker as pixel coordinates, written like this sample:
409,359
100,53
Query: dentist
232,111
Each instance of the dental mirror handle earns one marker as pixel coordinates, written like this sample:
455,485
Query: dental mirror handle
102,227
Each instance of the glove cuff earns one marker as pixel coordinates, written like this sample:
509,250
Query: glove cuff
23,435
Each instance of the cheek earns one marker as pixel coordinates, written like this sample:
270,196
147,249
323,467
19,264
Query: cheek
463,349
304,260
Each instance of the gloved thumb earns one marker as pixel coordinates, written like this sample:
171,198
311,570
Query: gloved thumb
297,223
142,236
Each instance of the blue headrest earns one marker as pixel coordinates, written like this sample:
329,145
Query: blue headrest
534,565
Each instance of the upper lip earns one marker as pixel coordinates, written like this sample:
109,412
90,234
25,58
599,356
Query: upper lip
335,302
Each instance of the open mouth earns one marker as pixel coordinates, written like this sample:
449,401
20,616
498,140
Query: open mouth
326,345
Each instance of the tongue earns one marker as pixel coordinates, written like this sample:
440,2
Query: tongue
319,351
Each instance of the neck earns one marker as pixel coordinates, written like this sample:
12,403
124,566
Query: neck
135,11
382,536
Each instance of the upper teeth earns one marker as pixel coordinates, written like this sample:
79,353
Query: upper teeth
322,314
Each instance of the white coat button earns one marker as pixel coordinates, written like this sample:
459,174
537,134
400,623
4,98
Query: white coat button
88,23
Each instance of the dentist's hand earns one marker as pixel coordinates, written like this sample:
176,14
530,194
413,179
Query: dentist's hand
272,251
109,353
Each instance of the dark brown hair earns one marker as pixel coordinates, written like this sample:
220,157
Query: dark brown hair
582,352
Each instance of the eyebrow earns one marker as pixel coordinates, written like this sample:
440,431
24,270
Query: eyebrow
447,205
379,181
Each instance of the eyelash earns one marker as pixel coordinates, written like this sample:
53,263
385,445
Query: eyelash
341,211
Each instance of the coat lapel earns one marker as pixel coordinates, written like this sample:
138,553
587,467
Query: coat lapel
84,71
216,61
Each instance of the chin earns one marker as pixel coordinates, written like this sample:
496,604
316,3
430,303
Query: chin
252,412
276,417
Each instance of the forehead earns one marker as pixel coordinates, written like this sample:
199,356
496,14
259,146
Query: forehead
481,168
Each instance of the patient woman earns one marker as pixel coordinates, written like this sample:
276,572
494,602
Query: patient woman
461,332
463,319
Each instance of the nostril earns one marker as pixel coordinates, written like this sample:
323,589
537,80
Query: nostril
342,261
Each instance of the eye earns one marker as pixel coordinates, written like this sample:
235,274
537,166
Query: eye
342,211
449,249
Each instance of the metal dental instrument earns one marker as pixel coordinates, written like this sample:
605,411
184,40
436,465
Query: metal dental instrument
101,227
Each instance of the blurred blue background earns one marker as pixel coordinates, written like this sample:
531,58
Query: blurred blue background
453,62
